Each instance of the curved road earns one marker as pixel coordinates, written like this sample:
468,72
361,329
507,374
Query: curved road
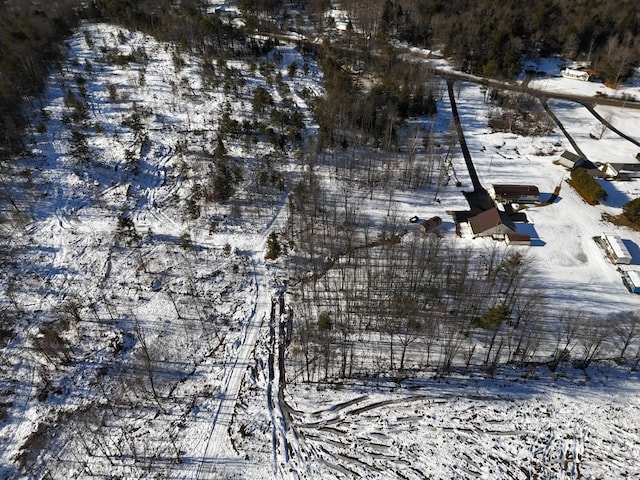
455,76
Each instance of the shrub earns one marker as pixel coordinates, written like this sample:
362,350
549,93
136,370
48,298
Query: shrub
587,186
112,90
631,211
185,241
126,228
79,147
324,322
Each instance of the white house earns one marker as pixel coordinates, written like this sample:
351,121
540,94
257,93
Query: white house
571,160
575,74
616,249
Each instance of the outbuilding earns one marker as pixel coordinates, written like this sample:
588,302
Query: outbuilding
572,161
517,239
504,193
430,225
622,171
616,249
575,74
631,279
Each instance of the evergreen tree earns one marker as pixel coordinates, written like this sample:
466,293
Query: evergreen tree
274,249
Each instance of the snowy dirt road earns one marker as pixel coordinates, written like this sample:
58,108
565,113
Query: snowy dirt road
218,450
219,454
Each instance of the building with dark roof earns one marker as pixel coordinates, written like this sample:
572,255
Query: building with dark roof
572,161
491,223
517,239
622,171
502,193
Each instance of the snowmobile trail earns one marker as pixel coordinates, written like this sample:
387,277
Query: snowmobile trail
218,451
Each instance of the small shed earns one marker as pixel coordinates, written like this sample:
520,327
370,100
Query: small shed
430,224
631,279
517,239
616,249
504,193
491,223
572,161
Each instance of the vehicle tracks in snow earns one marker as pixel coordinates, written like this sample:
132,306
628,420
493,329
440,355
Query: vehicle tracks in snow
218,449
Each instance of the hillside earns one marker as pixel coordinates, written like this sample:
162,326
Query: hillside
214,268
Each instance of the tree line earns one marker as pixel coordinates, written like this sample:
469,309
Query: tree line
29,38
351,112
489,38
31,35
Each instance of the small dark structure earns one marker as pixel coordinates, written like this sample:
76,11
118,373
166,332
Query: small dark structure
430,225
505,194
517,239
572,161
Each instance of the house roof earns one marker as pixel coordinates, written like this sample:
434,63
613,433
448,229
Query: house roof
518,238
625,167
571,156
515,191
491,221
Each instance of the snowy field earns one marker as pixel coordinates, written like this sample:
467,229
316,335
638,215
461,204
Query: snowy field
155,361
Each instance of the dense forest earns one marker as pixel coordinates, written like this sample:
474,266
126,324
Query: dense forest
29,36
489,38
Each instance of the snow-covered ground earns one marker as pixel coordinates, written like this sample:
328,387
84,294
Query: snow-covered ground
156,361
573,267
171,303
549,77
